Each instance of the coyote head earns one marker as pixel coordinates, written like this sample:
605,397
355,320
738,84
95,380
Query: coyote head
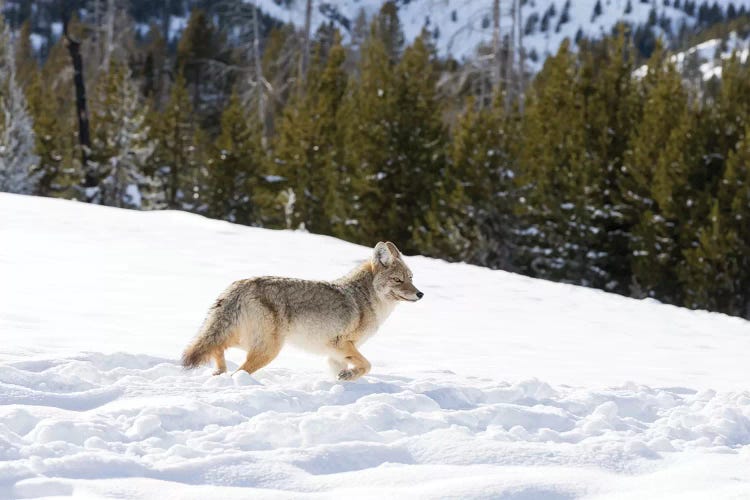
392,277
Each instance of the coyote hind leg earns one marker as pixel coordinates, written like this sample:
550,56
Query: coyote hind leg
221,364
258,358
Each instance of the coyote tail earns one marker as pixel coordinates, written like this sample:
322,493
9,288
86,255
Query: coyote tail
197,353
211,337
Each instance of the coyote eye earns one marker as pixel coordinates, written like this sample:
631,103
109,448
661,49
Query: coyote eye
398,280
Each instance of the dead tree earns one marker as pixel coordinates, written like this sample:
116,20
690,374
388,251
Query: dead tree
84,136
509,58
496,47
259,77
521,58
109,35
305,55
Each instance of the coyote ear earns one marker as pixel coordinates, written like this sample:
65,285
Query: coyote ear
382,254
394,251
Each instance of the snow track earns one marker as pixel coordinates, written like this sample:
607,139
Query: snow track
117,416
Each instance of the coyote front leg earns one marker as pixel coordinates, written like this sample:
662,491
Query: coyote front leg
349,354
336,365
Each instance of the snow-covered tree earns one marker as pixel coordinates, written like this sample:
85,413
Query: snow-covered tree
17,157
121,146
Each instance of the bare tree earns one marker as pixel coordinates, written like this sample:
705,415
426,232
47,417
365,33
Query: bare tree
496,45
84,137
510,89
521,58
109,30
259,80
305,54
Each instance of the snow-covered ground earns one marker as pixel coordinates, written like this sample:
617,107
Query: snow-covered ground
493,386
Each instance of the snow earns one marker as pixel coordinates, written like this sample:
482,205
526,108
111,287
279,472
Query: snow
493,386
133,195
57,28
710,55
176,25
37,41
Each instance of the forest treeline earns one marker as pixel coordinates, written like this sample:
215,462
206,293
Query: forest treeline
585,173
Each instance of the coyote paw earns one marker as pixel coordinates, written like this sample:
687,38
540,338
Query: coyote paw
218,371
348,374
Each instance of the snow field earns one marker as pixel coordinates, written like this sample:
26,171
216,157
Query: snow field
494,386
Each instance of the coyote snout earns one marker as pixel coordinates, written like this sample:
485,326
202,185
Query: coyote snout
328,317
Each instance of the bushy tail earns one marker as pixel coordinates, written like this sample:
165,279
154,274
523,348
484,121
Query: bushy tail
197,353
212,337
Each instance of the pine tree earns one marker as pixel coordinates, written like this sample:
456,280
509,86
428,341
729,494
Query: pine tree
177,160
734,199
420,142
472,214
717,235
121,147
395,140
194,49
597,10
309,149
27,66
730,116
154,65
712,272
611,111
653,182
235,168
200,52
370,108
577,121
18,162
387,27
51,107
551,244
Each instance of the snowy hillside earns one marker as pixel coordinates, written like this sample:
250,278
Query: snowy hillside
459,26
705,59
493,386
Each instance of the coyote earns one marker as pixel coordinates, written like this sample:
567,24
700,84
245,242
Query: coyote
327,317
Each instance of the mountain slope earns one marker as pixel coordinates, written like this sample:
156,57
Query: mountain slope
495,385
459,26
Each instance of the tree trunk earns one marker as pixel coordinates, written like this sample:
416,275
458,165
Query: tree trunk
259,81
496,47
510,57
521,61
110,33
84,137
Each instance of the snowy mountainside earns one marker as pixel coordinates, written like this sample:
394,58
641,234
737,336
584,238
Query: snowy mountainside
459,26
493,386
705,59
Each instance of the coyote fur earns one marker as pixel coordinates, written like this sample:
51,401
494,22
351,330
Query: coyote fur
327,317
